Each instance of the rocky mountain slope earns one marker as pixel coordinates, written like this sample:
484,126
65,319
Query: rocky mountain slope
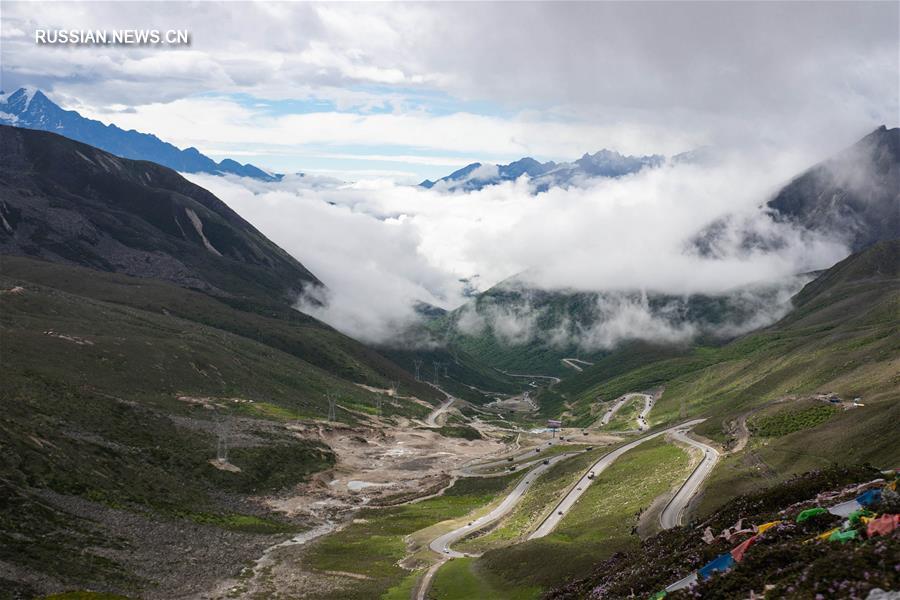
854,195
32,109
72,203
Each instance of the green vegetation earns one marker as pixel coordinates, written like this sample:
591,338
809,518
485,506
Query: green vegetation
114,390
82,595
843,337
779,562
789,421
536,503
272,334
605,512
460,374
404,589
461,579
243,523
460,431
536,357
599,524
373,544
626,417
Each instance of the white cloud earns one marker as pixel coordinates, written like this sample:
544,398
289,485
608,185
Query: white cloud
380,247
208,122
637,77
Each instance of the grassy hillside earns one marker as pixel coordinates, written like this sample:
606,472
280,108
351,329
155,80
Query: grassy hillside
843,336
116,393
458,373
277,327
782,563
600,524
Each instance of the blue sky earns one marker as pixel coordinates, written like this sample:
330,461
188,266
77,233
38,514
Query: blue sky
413,90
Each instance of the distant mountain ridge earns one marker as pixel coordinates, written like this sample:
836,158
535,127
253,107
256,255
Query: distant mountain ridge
852,197
32,109
67,202
604,163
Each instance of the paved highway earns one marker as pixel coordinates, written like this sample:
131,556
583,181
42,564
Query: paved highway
673,513
569,500
642,418
442,543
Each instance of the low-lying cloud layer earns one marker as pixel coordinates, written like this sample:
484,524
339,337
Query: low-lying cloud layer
380,248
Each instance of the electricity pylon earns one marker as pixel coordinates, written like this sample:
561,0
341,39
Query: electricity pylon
332,403
222,442
418,364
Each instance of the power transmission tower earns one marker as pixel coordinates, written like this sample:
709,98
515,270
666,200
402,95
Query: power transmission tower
418,363
437,371
395,387
332,403
378,400
222,442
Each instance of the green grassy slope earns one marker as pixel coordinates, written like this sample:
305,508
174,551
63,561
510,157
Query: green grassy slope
113,392
375,542
779,564
278,327
843,336
598,525
458,373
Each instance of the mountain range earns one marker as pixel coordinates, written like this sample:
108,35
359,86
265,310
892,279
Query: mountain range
605,163
32,109
146,327
69,202
853,196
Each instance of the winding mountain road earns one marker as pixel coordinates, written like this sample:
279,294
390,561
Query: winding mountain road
672,515
569,500
642,417
431,419
442,543
553,380
571,362
618,404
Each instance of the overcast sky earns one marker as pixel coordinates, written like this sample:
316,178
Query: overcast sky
413,90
